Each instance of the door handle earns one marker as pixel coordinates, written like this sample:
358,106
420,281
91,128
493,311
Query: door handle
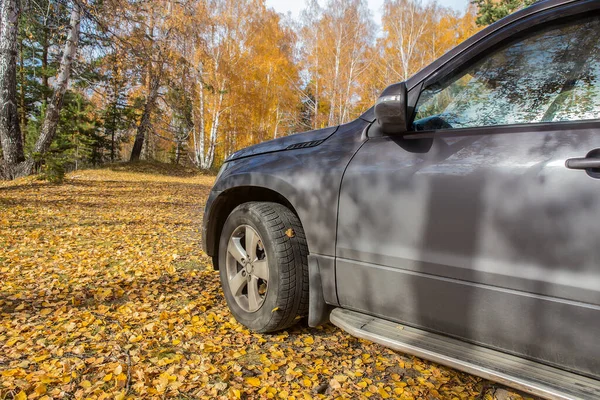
590,163
583,163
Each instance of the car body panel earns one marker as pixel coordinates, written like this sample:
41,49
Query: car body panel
484,237
308,178
283,143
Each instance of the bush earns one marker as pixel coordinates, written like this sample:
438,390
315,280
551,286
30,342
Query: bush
54,168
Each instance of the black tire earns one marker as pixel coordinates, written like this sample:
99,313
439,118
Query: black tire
286,251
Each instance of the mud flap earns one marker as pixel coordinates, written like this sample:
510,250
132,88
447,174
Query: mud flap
318,310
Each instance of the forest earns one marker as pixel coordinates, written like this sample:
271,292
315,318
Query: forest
87,82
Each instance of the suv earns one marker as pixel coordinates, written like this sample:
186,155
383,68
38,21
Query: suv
455,220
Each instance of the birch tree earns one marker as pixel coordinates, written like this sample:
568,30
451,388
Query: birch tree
311,38
405,23
51,119
50,123
414,35
336,59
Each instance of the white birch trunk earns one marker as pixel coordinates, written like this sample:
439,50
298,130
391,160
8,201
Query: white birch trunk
336,73
214,129
277,121
199,134
50,123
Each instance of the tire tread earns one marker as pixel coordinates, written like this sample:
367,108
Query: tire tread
292,260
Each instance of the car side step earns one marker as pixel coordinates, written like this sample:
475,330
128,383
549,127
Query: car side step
528,376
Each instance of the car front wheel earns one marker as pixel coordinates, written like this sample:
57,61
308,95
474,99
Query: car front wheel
263,266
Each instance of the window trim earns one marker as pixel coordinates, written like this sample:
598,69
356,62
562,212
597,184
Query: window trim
538,127
509,33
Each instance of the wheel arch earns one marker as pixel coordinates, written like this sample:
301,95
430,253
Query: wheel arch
227,201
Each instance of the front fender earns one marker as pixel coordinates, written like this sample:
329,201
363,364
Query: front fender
308,178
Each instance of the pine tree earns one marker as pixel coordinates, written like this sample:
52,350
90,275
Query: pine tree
491,11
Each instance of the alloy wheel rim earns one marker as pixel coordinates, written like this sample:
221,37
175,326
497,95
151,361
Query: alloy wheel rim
247,268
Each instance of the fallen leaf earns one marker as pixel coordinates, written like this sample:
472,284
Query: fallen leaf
253,381
334,384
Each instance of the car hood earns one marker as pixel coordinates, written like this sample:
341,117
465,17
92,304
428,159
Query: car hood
295,141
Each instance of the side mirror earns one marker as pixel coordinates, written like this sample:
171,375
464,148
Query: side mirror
390,109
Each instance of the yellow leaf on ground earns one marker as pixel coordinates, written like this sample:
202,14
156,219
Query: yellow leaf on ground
253,381
10,372
383,393
40,358
135,339
40,389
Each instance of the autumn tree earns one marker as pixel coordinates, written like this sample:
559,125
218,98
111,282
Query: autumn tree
336,41
415,33
112,97
232,84
149,35
265,85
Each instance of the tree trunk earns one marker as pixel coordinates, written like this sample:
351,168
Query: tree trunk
112,146
111,127
145,122
10,134
23,85
214,130
199,137
277,121
45,46
50,123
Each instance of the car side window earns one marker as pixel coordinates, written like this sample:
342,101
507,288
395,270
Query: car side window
547,76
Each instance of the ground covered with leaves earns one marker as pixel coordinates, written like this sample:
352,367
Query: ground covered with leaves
105,293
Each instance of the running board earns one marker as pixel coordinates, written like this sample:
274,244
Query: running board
527,376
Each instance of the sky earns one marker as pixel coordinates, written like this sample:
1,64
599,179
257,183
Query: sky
295,6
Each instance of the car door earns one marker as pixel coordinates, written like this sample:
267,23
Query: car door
472,225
